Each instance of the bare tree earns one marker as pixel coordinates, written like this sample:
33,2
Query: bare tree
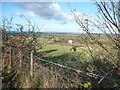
107,21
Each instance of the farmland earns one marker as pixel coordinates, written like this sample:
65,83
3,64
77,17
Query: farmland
63,46
55,48
59,51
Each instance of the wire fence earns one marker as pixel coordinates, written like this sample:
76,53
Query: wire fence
89,74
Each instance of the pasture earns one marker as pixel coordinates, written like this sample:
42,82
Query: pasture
59,51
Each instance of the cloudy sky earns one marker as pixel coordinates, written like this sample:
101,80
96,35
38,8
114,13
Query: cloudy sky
54,16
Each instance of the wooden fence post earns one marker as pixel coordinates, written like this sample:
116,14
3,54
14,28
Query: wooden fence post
31,64
10,57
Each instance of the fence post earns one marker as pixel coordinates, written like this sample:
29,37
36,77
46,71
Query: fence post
10,52
31,64
20,63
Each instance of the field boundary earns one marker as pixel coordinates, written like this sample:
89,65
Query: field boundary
93,75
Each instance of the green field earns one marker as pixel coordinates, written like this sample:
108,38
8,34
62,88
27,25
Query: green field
62,54
63,46
57,49
60,51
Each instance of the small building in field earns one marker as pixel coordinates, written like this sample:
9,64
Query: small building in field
70,41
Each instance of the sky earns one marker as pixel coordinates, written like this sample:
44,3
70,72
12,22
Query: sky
53,16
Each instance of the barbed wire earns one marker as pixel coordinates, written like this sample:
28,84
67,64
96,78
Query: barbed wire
93,75
70,68
100,78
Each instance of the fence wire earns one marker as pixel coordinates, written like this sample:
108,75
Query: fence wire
93,75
